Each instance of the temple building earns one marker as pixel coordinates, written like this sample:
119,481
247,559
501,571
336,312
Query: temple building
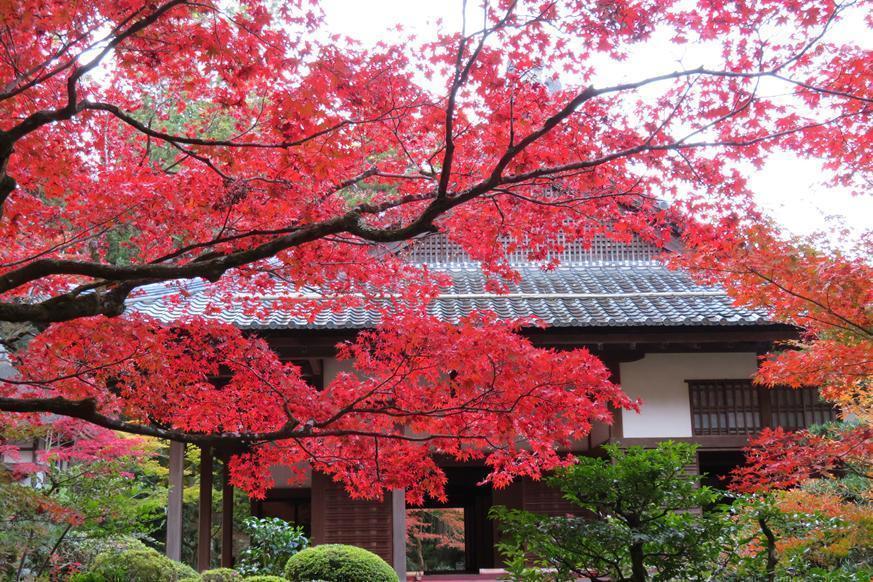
683,348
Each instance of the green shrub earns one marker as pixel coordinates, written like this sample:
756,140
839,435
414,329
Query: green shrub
271,542
220,575
185,573
338,563
141,565
267,578
639,520
83,549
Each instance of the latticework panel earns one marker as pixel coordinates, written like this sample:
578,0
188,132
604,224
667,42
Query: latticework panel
724,407
731,407
438,249
793,409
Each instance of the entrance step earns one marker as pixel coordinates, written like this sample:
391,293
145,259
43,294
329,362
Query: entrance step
482,577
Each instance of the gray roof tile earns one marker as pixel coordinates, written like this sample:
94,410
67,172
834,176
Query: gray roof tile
580,293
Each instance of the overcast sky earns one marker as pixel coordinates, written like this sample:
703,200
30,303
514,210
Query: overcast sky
788,187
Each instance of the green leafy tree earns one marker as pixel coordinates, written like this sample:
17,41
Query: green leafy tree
639,518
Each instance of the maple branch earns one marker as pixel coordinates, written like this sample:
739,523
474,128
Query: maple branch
803,297
196,141
13,87
36,120
39,118
676,145
87,410
212,267
459,79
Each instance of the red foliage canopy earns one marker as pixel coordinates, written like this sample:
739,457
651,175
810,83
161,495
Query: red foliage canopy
777,459
825,292
146,142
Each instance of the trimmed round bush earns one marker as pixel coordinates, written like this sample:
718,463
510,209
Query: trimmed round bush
84,549
265,578
338,563
220,575
141,565
184,572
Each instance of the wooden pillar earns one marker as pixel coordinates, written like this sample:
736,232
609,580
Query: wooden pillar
226,518
398,531
174,501
204,518
318,500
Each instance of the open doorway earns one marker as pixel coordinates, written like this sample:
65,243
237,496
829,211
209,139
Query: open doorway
435,541
716,466
453,536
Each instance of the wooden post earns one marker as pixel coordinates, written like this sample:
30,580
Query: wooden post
204,518
174,501
226,518
398,531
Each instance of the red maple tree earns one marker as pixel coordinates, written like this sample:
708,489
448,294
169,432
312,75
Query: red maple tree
805,282
153,142
820,284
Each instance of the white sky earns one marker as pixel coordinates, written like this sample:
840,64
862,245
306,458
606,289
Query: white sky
790,188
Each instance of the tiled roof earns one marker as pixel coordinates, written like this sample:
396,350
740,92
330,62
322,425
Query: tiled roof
610,286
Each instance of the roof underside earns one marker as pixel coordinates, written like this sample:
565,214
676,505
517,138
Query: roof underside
607,285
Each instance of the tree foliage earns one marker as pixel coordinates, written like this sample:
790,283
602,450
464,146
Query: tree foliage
779,459
800,534
271,542
239,142
820,284
638,519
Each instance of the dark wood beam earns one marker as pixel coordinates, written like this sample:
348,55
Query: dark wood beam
704,442
624,341
226,518
174,500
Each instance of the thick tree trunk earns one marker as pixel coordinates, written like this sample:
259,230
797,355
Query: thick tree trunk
638,567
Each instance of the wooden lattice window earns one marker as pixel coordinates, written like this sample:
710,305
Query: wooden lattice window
793,409
724,407
737,407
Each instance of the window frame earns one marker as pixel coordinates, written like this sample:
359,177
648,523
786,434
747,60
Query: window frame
739,396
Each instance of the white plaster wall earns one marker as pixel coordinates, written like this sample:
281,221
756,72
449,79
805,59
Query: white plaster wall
659,380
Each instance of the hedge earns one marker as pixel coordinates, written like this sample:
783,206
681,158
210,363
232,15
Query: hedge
145,565
338,563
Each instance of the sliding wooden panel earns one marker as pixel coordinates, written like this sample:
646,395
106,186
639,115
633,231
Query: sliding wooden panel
339,519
